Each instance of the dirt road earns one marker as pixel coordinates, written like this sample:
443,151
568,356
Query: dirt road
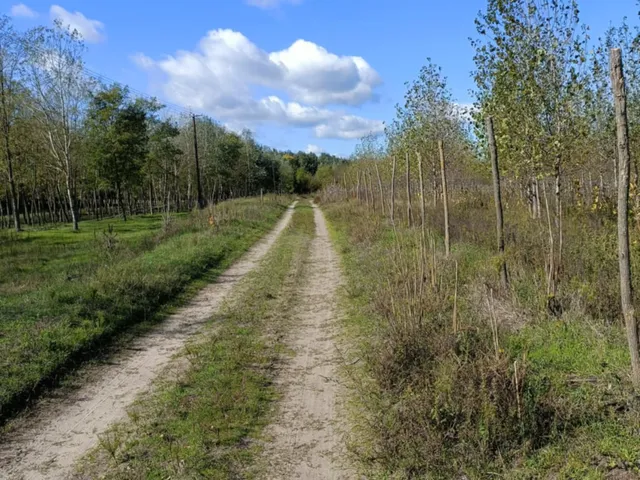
60,431
304,441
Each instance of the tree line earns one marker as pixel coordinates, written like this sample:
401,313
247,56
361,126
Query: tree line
74,146
544,105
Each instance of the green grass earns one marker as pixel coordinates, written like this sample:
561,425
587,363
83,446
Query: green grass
37,257
202,425
70,293
420,408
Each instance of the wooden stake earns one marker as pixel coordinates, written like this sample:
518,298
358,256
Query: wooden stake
445,199
381,190
422,205
393,192
455,303
409,213
624,161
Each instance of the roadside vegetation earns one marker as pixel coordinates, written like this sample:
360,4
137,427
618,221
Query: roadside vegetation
453,378
63,295
204,416
484,250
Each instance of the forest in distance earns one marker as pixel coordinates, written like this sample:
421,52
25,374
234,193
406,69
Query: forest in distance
76,144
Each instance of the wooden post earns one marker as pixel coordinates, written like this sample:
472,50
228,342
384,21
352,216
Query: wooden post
372,194
381,189
624,161
422,205
497,197
445,199
423,224
409,212
393,192
366,189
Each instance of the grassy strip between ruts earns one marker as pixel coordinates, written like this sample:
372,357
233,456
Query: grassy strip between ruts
46,332
199,424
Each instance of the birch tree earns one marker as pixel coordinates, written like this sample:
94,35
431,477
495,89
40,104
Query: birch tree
59,96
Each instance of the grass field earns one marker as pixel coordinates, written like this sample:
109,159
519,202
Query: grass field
203,424
64,295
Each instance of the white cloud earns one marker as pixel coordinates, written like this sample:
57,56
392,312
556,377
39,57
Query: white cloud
21,10
349,127
319,77
267,4
92,31
221,75
314,149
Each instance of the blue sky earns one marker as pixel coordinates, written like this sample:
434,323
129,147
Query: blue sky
242,61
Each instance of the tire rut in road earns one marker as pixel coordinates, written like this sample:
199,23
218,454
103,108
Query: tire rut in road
49,441
304,440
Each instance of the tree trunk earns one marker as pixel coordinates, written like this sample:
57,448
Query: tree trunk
151,195
434,181
538,206
123,211
13,197
2,224
624,160
372,195
197,165
445,199
409,211
366,188
12,184
72,205
26,206
497,197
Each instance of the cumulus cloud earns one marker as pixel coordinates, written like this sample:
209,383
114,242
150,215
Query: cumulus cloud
221,75
314,149
267,4
21,10
316,76
92,31
349,127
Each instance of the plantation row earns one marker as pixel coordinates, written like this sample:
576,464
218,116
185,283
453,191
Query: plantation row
484,349
73,144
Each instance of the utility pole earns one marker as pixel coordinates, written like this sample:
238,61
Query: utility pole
195,149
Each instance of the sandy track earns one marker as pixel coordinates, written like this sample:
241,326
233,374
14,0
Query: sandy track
304,441
59,432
